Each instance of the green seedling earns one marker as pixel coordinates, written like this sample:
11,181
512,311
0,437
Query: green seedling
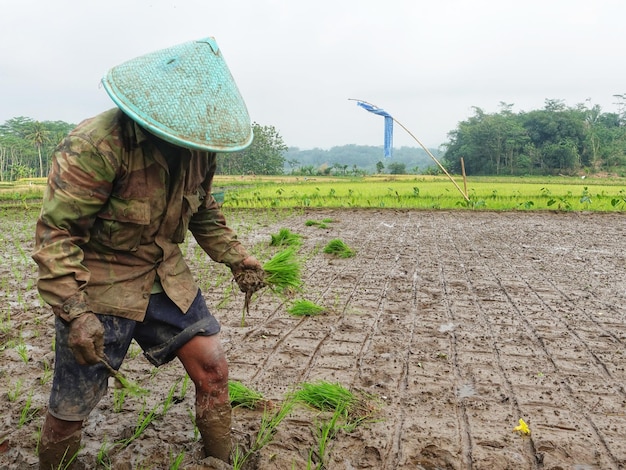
134,351
67,464
339,248
305,308
170,398
285,237
14,394
5,322
239,457
132,388
326,432
196,430
143,421
22,351
119,397
102,458
183,388
177,461
28,412
242,396
269,424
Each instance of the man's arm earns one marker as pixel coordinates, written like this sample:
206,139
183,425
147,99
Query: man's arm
215,237
79,184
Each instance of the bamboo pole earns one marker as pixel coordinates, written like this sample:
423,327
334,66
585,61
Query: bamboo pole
464,194
464,177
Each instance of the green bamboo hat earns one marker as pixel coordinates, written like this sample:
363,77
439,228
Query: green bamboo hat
184,94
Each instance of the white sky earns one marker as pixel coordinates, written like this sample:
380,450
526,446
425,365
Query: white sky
298,62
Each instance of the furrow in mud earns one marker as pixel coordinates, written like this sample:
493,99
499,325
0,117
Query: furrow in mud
531,297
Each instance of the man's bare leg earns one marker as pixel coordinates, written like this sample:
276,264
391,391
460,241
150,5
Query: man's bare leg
205,362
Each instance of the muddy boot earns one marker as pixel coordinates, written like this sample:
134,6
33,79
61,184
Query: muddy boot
53,455
214,426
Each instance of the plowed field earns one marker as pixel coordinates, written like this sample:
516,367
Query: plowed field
456,324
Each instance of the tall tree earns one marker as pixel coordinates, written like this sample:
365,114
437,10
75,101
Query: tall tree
38,135
264,156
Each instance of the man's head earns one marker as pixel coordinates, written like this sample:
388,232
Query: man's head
184,94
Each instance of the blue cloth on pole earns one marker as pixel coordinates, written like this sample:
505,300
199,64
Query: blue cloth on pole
388,125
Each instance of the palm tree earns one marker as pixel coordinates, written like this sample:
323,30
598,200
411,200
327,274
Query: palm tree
37,134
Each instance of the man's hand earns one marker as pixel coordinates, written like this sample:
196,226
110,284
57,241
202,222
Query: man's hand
86,339
250,262
249,275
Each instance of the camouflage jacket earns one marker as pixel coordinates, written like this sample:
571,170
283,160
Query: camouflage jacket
113,215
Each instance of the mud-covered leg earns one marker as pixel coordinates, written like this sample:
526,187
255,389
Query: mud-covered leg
60,442
205,362
214,426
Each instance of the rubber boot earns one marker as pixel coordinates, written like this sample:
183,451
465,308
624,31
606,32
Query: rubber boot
54,455
214,426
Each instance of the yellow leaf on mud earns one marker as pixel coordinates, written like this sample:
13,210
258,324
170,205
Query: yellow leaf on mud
522,428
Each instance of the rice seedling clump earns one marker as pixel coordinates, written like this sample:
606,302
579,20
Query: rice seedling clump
243,396
339,248
282,271
325,396
285,237
305,308
320,224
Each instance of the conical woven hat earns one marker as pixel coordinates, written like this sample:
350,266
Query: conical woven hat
184,94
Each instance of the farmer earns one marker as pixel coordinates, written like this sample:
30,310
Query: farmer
124,188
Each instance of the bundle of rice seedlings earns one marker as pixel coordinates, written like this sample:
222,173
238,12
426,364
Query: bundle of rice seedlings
285,237
282,272
339,248
323,224
326,396
240,395
335,398
305,308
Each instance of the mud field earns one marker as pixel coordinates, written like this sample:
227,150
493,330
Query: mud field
456,324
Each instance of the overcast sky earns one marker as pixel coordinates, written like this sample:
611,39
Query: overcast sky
297,63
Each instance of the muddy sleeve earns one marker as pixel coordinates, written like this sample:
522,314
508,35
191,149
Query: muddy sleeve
211,231
79,184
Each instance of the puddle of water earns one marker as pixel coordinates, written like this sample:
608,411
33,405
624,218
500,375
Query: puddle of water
446,327
466,391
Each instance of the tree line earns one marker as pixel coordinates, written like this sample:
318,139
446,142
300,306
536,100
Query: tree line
26,146
555,139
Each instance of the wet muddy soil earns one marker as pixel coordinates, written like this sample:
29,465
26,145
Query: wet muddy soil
456,324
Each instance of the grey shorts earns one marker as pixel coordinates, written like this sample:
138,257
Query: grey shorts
77,389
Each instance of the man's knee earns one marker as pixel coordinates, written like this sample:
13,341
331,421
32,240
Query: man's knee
205,361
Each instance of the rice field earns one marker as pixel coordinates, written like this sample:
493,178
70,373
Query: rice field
421,192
